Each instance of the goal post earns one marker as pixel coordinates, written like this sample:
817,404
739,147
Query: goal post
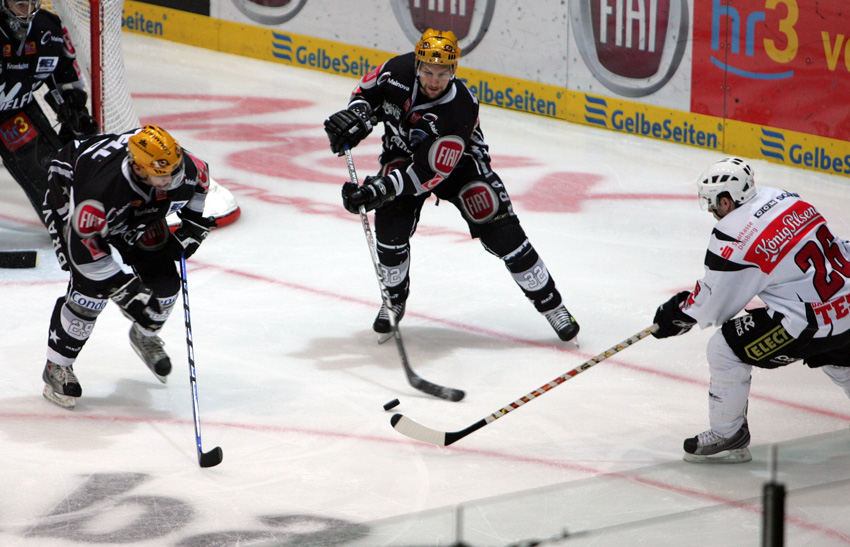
95,30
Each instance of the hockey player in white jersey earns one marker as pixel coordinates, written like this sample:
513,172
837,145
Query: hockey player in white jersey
771,244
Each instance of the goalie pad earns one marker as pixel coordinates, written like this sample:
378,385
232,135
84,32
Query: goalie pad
219,204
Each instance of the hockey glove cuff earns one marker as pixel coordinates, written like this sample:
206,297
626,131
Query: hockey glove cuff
188,237
138,303
374,192
670,318
348,127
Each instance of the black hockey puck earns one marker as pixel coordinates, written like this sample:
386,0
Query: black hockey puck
392,404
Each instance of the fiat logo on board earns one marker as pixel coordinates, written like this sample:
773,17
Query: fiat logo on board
468,19
632,52
270,12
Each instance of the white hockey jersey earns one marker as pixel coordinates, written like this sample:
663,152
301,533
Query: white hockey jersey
779,248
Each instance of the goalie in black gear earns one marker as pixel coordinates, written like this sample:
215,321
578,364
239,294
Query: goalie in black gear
113,192
433,144
37,51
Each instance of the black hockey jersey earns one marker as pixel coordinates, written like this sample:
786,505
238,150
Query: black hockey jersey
436,134
102,205
45,55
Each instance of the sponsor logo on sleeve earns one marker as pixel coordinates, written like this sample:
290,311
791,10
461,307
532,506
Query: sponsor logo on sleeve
89,218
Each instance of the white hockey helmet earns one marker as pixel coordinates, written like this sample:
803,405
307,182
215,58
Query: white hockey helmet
22,10
731,176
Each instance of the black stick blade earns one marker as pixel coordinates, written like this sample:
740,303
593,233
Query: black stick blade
447,393
211,458
18,259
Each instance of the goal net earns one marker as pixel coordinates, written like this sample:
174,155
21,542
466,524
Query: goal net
95,29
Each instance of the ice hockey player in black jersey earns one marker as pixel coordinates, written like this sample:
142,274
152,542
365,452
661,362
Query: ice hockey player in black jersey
36,51
113,192
433,144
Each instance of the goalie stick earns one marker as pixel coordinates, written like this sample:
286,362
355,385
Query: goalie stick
214,456
414,379
18,259
414,430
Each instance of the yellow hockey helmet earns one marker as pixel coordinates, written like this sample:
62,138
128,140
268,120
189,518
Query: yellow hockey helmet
438,47
157,154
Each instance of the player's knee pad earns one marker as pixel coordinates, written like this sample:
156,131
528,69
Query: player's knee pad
166,304
507,240
724,365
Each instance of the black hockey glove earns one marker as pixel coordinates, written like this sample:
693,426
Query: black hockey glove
374,192
71,112
186,239
349,127
671,320
137,302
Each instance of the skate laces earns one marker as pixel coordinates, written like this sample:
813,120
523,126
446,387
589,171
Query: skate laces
62,375
150,345
709,437
398,311
559,317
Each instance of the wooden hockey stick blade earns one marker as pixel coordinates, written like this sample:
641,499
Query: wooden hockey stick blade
211,458
18,259
416,431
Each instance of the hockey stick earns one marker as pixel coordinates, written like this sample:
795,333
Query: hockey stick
414,379
214,456
18,259
406,426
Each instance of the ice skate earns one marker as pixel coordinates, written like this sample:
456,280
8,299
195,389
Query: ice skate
61,386
709,447
382,321
563,323
149,348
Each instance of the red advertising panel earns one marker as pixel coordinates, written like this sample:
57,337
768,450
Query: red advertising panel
782,63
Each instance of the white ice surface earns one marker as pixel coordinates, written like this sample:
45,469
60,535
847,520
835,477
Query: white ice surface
292,383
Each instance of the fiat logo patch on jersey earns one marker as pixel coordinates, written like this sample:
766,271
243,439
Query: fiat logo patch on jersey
632,52
479,201
445,153
270,12
468,19
155,236
89,219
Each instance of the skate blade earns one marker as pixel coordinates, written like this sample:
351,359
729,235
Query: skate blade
384,336
58,399
163,379
740,455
